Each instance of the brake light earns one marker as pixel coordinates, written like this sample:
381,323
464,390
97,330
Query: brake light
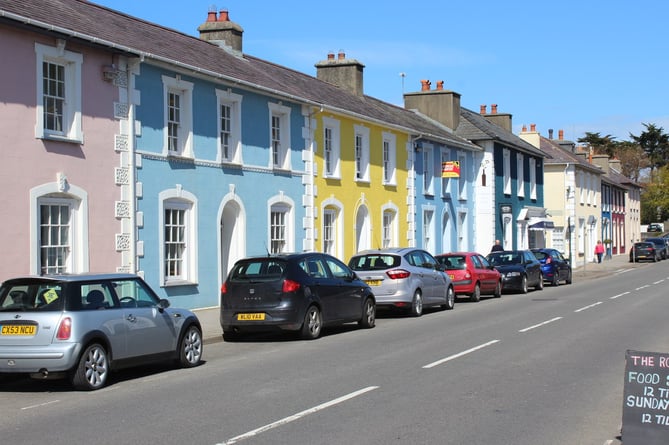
549,260
468,275
398,274
224,288
290,286
64,329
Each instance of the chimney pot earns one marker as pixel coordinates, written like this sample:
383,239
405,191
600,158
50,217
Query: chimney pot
341,55
224,16
524,130
440,85
550,133
493,109
533,128
561,135
483,109
331,56
425,85
211,16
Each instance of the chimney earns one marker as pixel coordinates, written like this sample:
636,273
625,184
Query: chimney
550,133
531,137
561,135
601,161
222,32
483,110
439,104
500,119
342,72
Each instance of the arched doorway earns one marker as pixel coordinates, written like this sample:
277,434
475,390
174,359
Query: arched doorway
232,236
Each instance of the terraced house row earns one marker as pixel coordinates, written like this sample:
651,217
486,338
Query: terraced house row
132,147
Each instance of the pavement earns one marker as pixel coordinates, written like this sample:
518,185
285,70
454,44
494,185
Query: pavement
581,270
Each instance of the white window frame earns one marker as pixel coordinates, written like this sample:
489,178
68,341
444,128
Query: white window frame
389,150
286,206
445,182
520,171
181,200
331,148
282,113
334,208
234,104
429,233
361,153
506,154
77,199
71,62
389,226
462,180
184,89
533,178
428,170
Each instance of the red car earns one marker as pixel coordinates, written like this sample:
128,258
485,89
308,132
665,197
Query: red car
471,274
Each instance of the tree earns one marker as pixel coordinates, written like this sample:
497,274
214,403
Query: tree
655,197
599,144
632,159
655,143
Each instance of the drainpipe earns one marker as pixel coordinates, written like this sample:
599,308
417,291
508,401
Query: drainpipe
132,64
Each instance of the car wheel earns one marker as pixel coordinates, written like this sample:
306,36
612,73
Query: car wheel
92,370
556,279
523,284
450,299
476,295
498,290
540,284
568,281
313,322
417,304
368,319
190,347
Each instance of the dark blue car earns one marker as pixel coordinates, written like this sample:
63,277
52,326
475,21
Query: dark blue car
554,267
520,269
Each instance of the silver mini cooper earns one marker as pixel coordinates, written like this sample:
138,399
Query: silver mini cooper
83,326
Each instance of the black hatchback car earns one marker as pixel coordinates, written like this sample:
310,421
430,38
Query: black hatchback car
520,269
299,292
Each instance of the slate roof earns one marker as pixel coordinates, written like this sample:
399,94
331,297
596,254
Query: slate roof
559,155
112,29
475,127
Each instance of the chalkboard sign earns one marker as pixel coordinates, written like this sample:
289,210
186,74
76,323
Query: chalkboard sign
646,399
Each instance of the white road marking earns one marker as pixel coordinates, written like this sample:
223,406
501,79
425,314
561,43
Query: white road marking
540,324
642,287
588,307
297,416
460,354
658,282
619,295
41,404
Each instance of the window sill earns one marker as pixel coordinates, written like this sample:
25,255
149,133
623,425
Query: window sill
176,283
62,138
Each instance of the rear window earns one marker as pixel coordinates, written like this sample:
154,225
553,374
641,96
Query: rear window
30,296
374,262
453,262
258,270
540,255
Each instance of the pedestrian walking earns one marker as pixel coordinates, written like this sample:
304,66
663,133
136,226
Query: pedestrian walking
497,247
599,251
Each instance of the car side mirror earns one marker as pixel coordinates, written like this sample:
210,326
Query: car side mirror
163,304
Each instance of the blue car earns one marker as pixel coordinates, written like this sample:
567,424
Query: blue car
554,267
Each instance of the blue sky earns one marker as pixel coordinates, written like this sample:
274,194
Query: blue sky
588,65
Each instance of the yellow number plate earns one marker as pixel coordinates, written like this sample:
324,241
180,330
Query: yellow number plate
451,276
250,317
373,282
17,329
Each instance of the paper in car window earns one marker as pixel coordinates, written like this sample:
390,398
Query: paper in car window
50,296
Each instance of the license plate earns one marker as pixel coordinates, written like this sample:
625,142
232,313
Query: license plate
18,329
250,317
451,276
373,282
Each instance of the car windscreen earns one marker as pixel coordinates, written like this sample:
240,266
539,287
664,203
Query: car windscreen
374,262
261,269
453,262
504,258
31,296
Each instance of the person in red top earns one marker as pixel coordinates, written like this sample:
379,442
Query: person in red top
599,251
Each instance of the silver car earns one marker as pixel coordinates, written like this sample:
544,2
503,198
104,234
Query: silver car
84,326
405,278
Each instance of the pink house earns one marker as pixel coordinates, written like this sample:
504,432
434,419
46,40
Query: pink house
66,173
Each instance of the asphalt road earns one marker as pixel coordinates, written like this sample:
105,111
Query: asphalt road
542,368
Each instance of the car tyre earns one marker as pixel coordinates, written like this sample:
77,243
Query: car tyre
523,284
417,304
540,284
450,299
190,347
498,290
476,295
556,279
368,319
313,323
92,370
568,280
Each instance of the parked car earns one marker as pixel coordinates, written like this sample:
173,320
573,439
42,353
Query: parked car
520,269
84,326
405,278
299,292
661,245
644,251
471,274
554,266
654,227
